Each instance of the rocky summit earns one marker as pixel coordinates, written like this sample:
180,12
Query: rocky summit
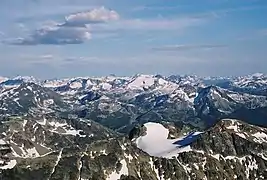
144,127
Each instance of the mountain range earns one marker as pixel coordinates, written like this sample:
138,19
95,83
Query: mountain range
148,127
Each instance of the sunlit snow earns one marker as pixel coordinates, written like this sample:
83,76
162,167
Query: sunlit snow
260,137
2,142
10,165
124,171
156,142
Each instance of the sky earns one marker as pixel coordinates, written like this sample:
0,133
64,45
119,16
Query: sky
66,38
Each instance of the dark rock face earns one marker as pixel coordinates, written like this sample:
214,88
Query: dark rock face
137,131
89,96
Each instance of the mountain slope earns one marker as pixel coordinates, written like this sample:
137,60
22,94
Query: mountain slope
146,127
29,97
120,102
229,150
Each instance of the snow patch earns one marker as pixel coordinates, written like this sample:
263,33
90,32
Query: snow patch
10,165
141,81
48,102
103,152
57,124
72,132
32,153
233,127
29,87
76,85
106,86
260,137
155,142
57,161
67,130
2,142
24,124
242,135
80,167
124,171
3,79
129,157
263,156
216,156
43,123
83,96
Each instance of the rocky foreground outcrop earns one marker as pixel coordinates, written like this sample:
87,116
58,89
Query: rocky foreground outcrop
63,149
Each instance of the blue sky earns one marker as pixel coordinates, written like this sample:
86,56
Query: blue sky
64,38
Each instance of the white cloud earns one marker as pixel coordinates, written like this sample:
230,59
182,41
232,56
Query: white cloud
47,56
78,28
162,23
99,15
74,30
153,24
55,35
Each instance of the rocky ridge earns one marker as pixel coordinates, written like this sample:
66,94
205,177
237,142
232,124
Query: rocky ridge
229,150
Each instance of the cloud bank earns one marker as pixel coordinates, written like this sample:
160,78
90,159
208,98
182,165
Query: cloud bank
78,28
55,35
188,47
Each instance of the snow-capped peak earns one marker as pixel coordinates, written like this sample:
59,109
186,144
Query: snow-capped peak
258,75
3,79
26,78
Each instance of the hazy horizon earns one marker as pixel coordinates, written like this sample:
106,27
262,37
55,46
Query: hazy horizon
130,75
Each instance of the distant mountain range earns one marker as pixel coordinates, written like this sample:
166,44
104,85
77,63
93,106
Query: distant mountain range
141,98
100,128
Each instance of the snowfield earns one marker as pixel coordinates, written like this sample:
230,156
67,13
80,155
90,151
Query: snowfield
156,142
10,165
124,171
